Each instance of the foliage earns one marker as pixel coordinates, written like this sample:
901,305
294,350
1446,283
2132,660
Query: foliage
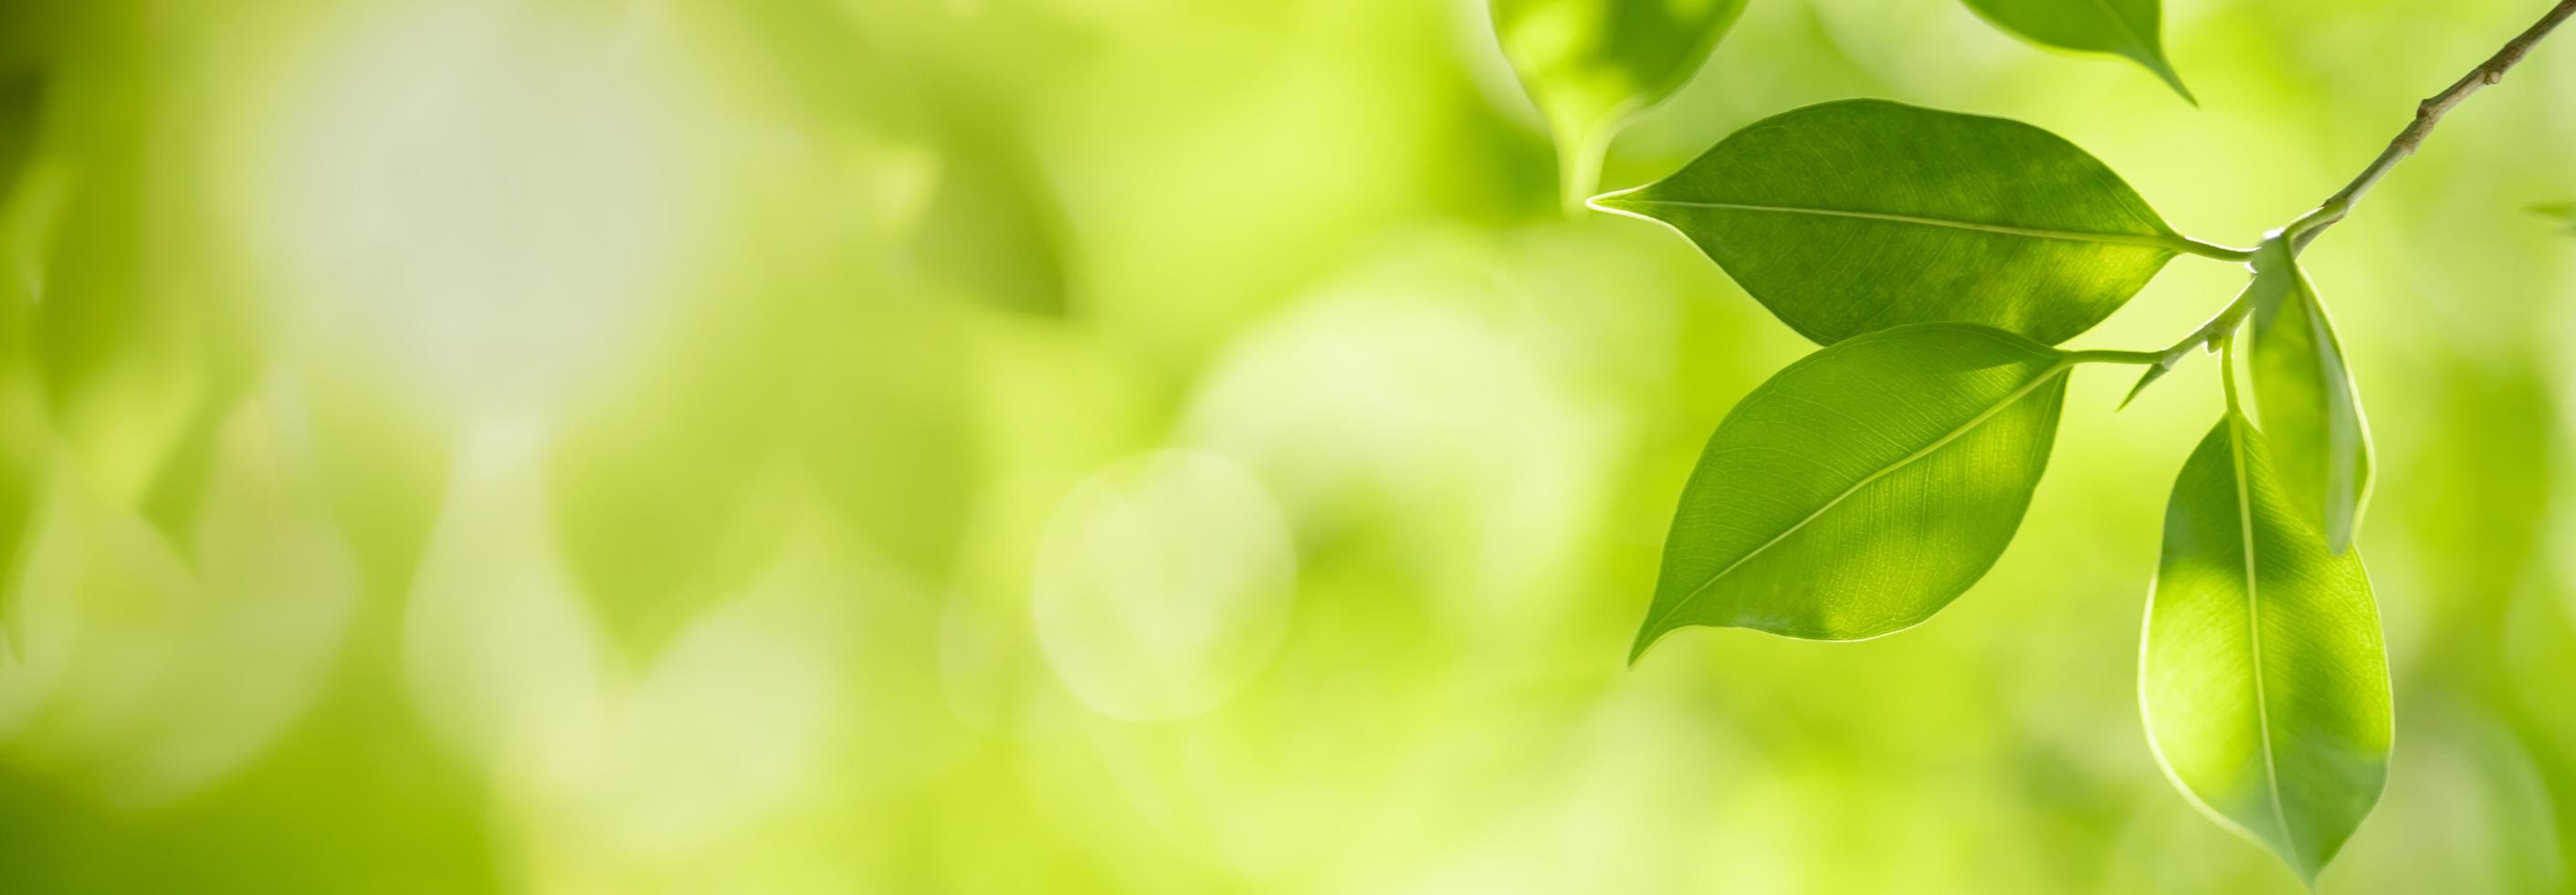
1936,255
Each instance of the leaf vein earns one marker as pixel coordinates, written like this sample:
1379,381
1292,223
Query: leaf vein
2146,240
2054,371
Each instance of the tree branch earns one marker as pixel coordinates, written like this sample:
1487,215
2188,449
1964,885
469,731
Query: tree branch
2300,232
2427,114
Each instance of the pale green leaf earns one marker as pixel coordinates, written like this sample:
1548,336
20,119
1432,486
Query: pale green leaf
1858,215
1864,487
2306,398
2125,27
1593,65
2263,678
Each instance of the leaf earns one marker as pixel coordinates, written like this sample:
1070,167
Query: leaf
2306,398
1851,216
2124,27
1594,65
1862,488
2263,679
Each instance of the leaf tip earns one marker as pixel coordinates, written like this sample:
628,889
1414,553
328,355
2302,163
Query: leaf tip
2154,61
2153,373
1647,635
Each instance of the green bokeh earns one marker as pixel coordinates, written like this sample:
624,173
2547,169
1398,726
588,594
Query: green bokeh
812,446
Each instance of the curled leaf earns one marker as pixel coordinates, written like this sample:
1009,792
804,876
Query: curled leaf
2306,398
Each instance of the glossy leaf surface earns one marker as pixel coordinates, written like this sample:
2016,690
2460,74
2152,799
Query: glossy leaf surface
1592,65
1859,215
1862,488
2125,27
2263,678
2310,409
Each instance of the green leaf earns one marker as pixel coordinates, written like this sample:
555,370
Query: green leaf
1858,215
2125,27
1594,65
2306,399
2263,678
1864,487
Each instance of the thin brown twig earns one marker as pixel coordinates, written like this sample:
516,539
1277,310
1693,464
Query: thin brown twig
2300,232
2427,114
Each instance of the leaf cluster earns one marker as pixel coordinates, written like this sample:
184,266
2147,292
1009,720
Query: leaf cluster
1939,259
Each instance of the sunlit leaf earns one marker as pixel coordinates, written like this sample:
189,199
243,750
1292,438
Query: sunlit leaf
2263,678
1593,65
2124,27
2306,398
1857,215
1864,487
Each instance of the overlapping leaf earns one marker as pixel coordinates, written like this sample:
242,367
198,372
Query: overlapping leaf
2304,391
1864,487
1592,65
2126,27
2263,678
1859,215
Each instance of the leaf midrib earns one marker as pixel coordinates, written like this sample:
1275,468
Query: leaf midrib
2054,371
2254,631
2130,239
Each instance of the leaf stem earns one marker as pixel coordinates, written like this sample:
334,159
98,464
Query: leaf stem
2427,114
2107,356
2227,376
2190,246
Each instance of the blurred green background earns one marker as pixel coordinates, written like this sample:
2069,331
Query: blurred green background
629,446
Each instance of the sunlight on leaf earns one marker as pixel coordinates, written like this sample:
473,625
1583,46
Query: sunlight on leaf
2310,409
2263,678
1863,488
1850,216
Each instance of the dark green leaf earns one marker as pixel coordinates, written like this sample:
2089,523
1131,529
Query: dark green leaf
1858,215
1592,65
2263,678
2125,27
2306,398
1864,487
